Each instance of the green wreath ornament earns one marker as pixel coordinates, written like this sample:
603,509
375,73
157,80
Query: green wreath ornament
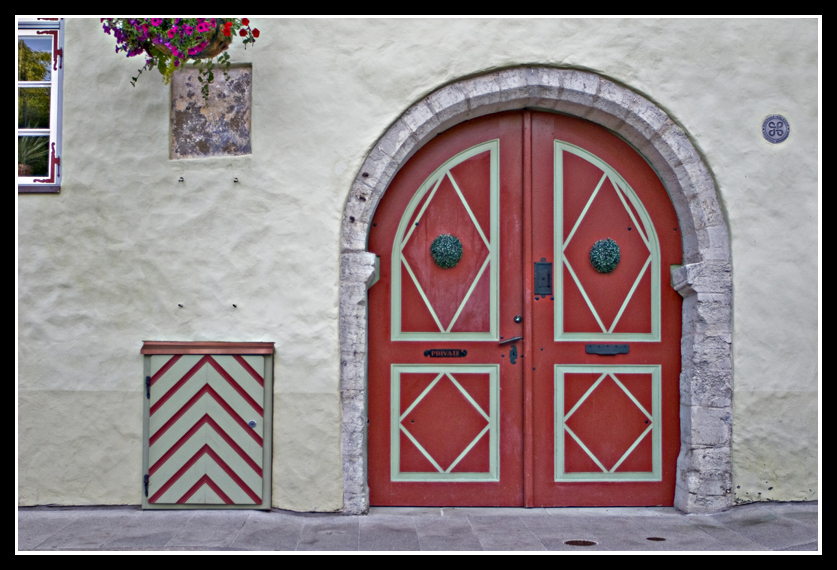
604,255
446,251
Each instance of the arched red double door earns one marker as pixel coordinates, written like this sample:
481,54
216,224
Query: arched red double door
524,340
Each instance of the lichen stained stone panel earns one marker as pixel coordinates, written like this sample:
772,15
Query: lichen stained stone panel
219,126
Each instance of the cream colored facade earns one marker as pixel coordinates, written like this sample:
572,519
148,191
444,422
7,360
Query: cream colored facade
106,263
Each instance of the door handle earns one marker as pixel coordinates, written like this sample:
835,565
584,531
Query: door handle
508,340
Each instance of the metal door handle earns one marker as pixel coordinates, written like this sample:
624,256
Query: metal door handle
508,340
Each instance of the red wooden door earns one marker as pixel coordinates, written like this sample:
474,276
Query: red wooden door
606,427
447,430
480,391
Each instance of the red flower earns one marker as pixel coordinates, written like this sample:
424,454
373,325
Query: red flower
227,32
245,21
256,33
242,33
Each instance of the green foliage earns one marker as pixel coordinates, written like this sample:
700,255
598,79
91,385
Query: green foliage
32,65
604,255
34,152
33,102
33,108
446,251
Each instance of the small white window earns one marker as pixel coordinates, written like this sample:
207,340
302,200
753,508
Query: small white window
40,62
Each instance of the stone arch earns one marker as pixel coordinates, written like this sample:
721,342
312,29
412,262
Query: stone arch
704,469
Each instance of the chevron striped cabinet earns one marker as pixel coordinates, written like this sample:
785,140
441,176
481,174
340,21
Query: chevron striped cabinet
207,425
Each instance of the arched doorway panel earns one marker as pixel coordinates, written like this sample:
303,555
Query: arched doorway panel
703,479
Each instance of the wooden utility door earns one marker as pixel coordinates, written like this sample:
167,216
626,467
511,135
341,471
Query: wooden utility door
207,425
482,388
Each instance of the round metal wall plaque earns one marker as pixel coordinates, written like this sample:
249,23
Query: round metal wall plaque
775,129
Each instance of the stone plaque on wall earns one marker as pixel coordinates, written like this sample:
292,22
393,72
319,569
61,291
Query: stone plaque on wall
219,126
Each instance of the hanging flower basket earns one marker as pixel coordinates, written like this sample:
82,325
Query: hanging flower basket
214,40
168,43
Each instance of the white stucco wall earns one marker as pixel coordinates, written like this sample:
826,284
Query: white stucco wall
104,264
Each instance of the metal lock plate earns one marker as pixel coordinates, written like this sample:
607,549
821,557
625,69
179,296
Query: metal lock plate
543,277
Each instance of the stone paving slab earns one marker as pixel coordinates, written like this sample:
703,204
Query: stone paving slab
150,530
265,530
691,534
804,513
446,533
388,532
504,533
324,533
215,528
810,546
755,527
765,526
90,530
35,527
609,532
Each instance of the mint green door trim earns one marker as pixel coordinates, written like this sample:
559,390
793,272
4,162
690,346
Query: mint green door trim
654,428
646,231
492,415
491,263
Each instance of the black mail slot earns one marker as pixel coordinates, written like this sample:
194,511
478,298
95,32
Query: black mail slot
607,348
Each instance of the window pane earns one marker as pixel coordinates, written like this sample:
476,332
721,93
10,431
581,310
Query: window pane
32,156
33,108
34,58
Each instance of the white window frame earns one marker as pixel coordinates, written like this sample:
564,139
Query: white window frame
54,28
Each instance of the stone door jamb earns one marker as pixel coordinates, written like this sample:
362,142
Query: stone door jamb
704,465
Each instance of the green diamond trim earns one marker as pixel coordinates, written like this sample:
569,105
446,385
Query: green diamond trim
446,250
604,255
